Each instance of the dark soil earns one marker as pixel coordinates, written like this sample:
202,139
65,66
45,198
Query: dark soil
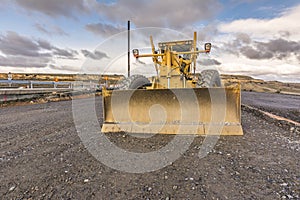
42,157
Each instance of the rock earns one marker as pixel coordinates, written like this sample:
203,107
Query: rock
175,187
283,184
86,180
12,188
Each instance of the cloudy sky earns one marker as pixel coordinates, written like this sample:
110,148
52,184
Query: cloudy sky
260,38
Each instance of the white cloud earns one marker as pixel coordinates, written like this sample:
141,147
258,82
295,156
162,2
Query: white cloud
50,30
56,8
167,13
265,71
271,51
287,23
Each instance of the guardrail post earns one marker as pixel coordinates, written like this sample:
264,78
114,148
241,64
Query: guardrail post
9,78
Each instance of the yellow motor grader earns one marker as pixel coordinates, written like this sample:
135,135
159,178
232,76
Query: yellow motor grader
176,100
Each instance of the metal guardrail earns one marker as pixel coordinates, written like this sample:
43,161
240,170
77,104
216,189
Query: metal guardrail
76,85
32,83
16,91
15,94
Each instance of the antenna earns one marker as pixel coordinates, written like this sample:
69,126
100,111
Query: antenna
128,59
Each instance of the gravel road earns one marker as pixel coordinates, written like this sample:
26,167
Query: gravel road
42,157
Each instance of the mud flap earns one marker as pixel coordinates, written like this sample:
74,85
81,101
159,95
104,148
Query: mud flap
203,111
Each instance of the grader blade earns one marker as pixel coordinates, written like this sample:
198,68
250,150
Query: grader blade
203,111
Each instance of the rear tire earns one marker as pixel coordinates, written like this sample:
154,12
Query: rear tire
209,79
134,82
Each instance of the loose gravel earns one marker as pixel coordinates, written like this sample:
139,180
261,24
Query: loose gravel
42,157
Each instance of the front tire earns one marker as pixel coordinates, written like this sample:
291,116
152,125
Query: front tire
134,82
209,79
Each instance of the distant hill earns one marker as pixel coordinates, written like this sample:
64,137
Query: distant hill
247,83
60,77
257,85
